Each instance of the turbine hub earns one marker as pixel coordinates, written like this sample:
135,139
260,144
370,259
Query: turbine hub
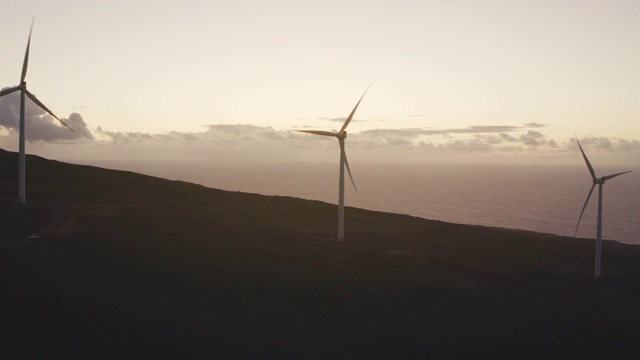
342,135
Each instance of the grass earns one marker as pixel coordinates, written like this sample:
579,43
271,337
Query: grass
130,265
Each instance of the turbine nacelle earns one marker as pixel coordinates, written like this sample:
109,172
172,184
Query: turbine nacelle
599,181
341,135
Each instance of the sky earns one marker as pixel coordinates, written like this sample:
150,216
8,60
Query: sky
459,80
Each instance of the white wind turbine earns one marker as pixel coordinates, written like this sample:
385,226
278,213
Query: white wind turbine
341,135
599,182
23,91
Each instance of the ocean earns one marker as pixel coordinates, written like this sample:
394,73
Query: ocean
541,198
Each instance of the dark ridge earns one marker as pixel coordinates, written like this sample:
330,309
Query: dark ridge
112,264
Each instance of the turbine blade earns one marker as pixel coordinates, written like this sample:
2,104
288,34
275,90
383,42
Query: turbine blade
317,132
614,175
346,123
9,91
39,103
593,173
26,55
584,207
344,154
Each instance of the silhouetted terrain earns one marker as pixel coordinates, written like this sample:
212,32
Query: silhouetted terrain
105,264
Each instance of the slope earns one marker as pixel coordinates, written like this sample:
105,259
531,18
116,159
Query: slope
106,263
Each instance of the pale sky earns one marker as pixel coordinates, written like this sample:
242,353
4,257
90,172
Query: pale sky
488,79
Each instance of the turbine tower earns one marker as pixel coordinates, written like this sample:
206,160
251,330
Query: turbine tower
599,182
341,135
23,91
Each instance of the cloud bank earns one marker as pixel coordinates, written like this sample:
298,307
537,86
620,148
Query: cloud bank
39,125
258,143
243,142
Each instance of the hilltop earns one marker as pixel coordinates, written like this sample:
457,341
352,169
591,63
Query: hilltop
106,263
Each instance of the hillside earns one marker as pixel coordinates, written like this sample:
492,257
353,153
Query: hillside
104,263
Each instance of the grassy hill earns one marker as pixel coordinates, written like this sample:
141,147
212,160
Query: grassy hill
105,264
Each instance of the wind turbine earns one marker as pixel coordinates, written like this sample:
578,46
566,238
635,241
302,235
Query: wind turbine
341,135
599,182
23,91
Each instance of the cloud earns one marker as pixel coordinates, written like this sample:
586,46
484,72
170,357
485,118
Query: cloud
599,144
407,132
535,125
533,138
476,129
215,134
241,142
507,137
469,139
490,139
399,142
417,132
39,125
118,138
467,145
429,146
628,146
47,129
